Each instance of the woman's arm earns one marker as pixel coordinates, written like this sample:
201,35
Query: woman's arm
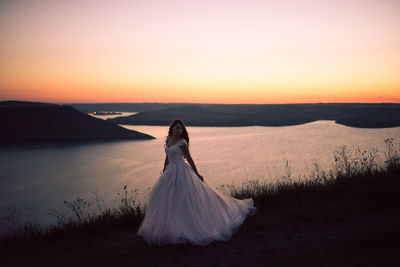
186,152
166,162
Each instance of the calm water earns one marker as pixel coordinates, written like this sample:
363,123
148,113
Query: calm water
36,179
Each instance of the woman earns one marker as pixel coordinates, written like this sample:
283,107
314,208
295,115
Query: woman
182,207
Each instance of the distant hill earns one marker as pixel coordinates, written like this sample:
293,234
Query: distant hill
124,107
33,121
355,115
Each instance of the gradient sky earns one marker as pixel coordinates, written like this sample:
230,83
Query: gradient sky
284,51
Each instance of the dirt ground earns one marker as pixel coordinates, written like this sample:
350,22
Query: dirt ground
289,237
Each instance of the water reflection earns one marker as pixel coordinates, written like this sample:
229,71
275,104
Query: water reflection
36,179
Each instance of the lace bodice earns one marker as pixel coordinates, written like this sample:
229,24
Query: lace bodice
174,152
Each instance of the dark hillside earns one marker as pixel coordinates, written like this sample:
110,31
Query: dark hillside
124,107
355,115
30,121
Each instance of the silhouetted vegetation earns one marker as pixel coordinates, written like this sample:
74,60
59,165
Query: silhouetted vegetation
358,178
84,218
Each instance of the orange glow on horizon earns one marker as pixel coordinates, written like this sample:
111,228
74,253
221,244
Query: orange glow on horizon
228,52
106,96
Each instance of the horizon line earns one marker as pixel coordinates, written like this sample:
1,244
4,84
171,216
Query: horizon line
196,103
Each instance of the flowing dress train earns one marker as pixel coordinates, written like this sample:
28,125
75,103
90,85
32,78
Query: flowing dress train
182,208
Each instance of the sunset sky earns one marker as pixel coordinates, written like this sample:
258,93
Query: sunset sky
208,51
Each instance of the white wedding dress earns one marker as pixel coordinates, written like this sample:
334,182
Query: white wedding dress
184,209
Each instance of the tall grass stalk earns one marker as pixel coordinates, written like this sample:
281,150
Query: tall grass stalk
84,217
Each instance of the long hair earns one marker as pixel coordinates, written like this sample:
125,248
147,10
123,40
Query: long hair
184,133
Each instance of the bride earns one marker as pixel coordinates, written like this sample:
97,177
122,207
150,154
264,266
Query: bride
182,207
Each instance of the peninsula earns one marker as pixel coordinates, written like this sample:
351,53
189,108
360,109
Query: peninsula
37,122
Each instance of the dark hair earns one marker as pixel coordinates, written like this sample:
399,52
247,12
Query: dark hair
184,133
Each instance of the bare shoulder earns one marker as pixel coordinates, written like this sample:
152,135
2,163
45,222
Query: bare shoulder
183,142
183,145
